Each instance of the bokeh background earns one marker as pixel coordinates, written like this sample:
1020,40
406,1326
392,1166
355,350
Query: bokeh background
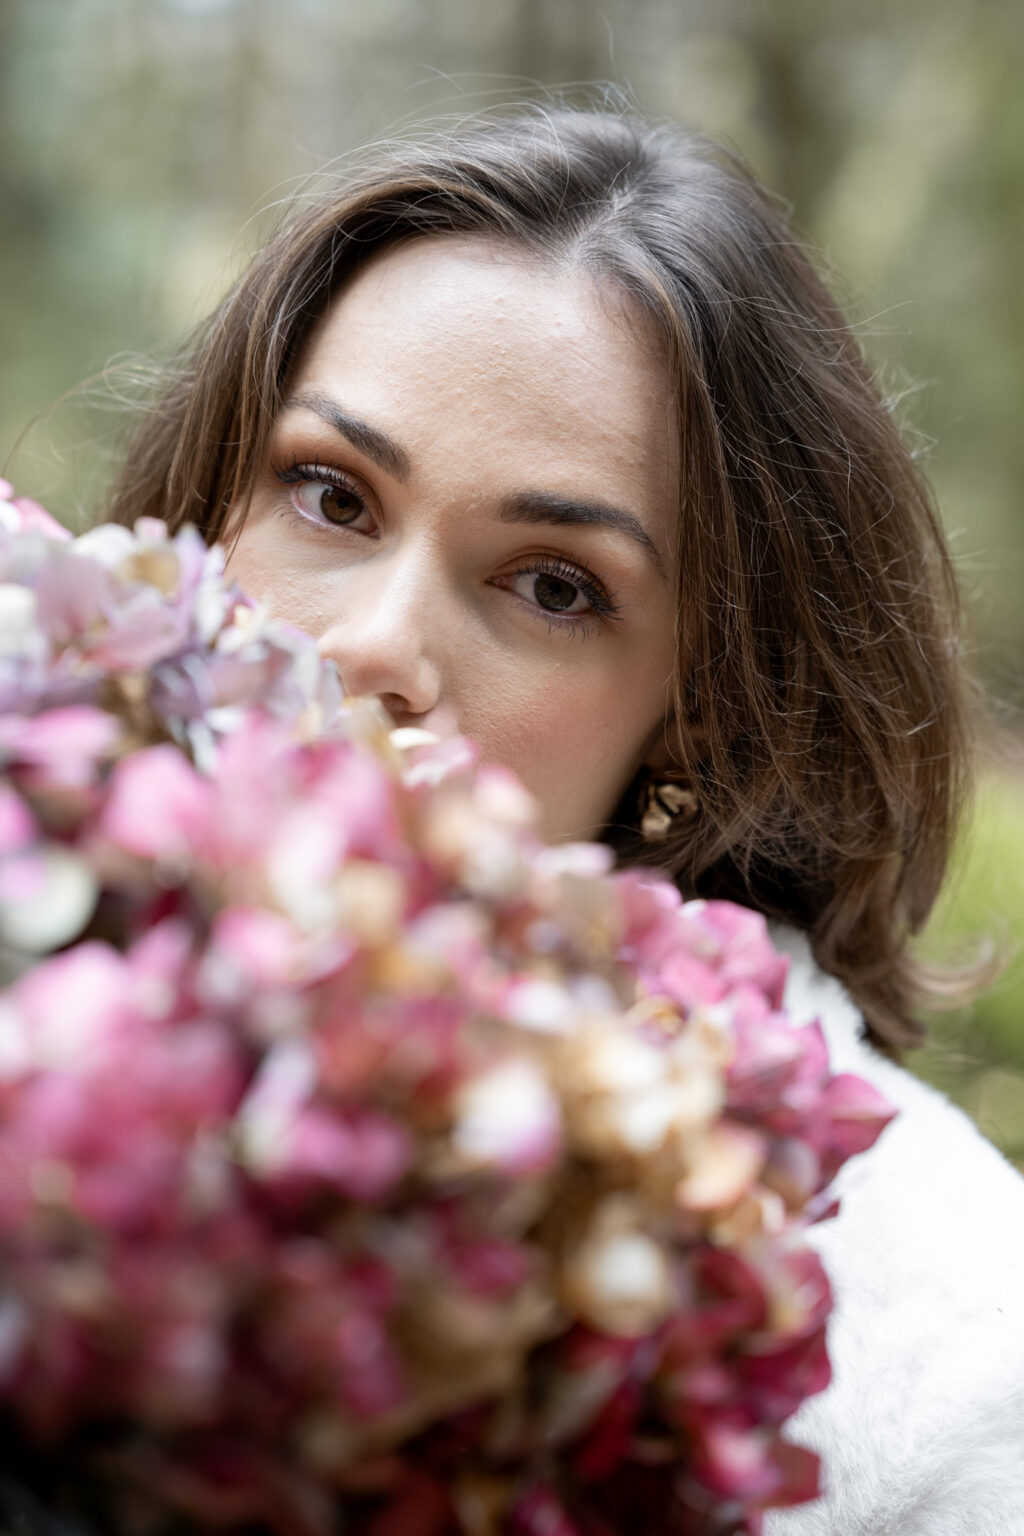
144,144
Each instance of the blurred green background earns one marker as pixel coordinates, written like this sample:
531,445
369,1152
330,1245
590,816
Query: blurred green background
144,142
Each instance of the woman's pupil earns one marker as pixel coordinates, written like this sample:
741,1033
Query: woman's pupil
554,594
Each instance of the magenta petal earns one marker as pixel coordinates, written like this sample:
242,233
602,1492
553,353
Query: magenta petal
689,981
777,1383
80,994
857,1114
748,954
799,1472
491,1267
362,1154
732,1455
419,1506
373,1382
537,1512
250,948
731,1301
65,743
17,824
608,1439
159,957
36,519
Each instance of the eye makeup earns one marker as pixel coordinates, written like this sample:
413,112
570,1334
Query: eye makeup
324,498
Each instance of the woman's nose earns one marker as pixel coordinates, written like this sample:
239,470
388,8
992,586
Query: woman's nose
380,638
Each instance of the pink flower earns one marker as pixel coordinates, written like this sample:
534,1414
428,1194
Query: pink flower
732,1457
250,951
74,596
159,807
61,748
361,1153
20,514
853,1115
744,952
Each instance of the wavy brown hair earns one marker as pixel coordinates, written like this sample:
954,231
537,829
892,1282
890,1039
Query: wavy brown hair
818,669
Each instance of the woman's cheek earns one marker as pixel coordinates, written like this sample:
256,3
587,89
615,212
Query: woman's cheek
265,567
571,756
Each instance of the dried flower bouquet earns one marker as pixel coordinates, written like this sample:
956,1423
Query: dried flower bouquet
367,1166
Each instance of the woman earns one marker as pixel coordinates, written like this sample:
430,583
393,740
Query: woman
547,425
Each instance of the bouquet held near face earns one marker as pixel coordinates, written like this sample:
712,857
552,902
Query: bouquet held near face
368,1164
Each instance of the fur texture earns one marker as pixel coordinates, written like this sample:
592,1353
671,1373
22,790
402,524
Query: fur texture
922,1429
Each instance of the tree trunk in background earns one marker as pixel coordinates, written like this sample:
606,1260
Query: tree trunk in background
560,42
246,99
22,208
8,161
795,109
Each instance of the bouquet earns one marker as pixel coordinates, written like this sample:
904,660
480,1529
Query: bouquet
366,1165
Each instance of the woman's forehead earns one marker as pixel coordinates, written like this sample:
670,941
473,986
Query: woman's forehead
478,341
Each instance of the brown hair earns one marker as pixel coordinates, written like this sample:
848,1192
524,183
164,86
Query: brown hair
817,607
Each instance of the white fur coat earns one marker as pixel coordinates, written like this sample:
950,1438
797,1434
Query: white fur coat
922,1429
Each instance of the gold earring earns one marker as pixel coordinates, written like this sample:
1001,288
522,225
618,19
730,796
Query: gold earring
664,802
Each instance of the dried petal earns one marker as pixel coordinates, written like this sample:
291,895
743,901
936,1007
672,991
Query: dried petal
47,895
724,1163
508,1118
618,1279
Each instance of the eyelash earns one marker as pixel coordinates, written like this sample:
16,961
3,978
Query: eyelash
603,606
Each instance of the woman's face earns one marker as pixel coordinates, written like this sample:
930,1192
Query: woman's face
470,500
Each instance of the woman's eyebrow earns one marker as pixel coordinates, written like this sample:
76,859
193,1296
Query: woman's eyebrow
523,507
545,507
377,446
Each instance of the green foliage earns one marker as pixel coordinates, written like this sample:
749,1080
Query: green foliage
984,904
976,1052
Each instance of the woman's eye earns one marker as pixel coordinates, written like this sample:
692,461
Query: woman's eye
338,504
554,594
